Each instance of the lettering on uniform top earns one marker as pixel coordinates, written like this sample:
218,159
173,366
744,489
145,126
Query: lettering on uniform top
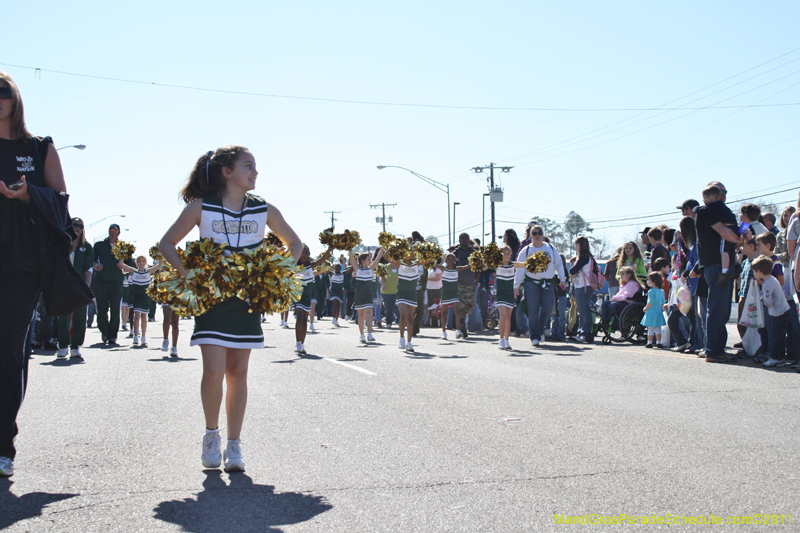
232,226
26,164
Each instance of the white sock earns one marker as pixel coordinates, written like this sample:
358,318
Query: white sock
210,431
724,270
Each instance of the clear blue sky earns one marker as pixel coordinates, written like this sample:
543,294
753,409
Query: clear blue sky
316,156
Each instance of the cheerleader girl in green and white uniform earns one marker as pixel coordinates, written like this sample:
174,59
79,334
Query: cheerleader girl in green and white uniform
407,280
337,292
449,290
302,307
365,290
220,204
504,295
139,279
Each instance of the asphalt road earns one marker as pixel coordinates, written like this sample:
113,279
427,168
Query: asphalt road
459,436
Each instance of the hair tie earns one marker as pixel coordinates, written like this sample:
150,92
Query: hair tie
208,160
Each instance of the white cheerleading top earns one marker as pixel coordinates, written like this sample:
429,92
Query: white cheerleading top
240,231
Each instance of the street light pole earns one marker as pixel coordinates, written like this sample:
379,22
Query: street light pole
483,217
441,186
77,146
454,219
102,219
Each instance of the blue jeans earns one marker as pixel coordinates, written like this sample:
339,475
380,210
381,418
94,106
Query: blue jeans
559,324
583,299
782,329
718,311
540,304
388,303
612,309
474,319
376,305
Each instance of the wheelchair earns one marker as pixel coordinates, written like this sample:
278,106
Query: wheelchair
627,327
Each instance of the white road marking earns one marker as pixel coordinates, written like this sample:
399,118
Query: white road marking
354,367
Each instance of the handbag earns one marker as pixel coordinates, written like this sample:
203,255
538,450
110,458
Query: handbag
753,312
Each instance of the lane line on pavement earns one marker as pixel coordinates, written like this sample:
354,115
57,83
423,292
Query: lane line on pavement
348,365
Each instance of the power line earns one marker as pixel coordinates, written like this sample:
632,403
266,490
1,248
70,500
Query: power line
666,104
379,103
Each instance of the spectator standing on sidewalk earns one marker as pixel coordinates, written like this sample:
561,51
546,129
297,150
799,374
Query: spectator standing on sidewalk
713,224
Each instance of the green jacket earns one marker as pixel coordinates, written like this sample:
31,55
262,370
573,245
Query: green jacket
104,256
83,259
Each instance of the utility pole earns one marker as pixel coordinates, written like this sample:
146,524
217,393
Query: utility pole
333,220
495,193
382,219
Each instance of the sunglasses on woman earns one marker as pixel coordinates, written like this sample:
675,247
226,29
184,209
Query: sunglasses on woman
5,93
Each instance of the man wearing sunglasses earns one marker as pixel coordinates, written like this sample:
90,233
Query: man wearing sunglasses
539,289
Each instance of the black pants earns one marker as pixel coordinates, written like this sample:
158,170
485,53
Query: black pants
674,325
19,294
108,295
351,300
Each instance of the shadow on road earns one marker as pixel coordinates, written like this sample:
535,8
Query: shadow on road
240,506
15,508
63,362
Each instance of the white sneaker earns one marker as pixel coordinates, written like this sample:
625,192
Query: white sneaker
299,348
174,351
409,347
211,449
165,345
370,338
580,339
771,362
459,335
312,327
6,467
130,334
62,353
144,341
362,338
502,344
508,346
402,343
136,340
444,335
234,462
124,327
76,353
534,342
335,322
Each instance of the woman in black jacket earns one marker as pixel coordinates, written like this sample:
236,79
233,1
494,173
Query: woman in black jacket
29,169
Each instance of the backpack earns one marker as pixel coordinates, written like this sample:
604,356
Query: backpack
596,278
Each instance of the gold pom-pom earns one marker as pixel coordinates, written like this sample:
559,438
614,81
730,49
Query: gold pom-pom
155,254
386,239
382,270
123,250
347,240
273,240
399,250
476,261
267,278
492,256
537,263
428,253
323,267
326,238
207,283
155,290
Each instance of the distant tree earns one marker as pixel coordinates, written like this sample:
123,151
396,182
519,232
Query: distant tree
575,226
432,238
